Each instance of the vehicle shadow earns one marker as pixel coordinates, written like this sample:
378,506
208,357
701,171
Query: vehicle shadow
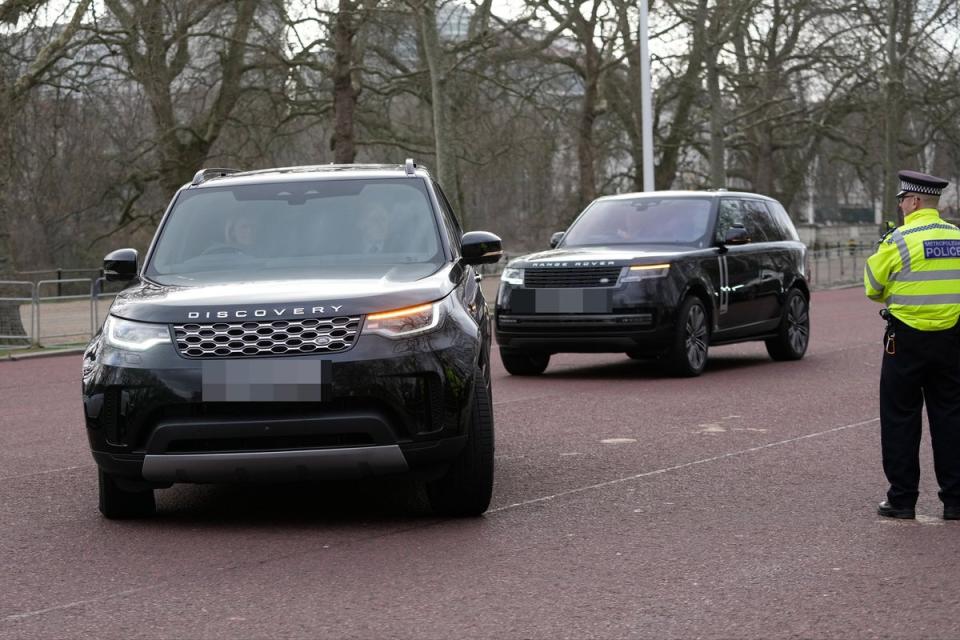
654,369
391,500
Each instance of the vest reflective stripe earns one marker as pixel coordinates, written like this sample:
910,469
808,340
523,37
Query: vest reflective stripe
920,276
924,300
928,227
902,247
873,279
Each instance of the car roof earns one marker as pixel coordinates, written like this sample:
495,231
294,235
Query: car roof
308,173
712,193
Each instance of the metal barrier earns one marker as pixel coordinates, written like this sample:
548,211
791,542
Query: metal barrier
837,267
31,335
38,299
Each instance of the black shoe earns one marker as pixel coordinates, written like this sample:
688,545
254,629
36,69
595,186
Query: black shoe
951,512
887,510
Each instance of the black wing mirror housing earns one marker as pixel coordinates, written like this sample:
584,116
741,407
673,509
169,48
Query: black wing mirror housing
556,238
120,265
480,247
736,234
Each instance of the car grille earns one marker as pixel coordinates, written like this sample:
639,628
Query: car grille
269,337
562,277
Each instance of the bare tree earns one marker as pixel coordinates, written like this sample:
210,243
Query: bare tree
12,97
159,45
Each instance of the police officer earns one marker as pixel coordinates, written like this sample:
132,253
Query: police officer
916,273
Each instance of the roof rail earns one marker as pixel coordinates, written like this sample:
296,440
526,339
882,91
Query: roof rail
409,166
717,189
206,174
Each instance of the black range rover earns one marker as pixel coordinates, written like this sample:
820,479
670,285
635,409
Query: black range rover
296,323
659,275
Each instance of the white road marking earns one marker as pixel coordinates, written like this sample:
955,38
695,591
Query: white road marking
618,440
78,603
677,467
711,428
41,473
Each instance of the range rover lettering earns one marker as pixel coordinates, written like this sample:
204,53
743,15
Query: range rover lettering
659,275
291,324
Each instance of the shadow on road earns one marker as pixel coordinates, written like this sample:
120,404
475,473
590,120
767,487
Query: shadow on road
653,369
372,501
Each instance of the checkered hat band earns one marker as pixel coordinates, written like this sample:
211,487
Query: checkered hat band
919,188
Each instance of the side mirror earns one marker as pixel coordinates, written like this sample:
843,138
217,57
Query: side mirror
120,265
736,234
556,238
480,247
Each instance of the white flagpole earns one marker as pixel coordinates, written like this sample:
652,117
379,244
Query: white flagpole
646,99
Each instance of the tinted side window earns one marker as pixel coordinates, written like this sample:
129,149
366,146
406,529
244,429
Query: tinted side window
783,220
453,230
760,223
729,213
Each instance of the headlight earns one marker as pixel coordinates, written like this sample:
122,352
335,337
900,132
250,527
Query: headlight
512,275
643,271
134,336
406,322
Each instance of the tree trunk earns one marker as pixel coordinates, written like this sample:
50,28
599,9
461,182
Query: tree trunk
443,133
680,127
10,323
586,149
893,103
718,168
344,92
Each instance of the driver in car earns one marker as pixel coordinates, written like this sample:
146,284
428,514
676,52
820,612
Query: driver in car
240,232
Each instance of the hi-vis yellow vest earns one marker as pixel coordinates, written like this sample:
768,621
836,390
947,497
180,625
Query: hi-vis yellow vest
916,272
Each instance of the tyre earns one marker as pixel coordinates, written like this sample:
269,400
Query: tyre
466,487
793,336
117,503
688,353
524,363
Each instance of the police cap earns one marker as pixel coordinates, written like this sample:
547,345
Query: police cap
916,182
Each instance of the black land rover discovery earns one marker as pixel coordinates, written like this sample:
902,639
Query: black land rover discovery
659,275
292,324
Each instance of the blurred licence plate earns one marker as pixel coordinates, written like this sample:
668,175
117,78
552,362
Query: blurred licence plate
560,301
266,380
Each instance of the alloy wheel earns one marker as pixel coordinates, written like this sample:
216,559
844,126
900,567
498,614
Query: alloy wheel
696,340
798,324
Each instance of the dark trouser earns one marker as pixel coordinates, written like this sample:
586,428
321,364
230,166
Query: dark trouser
925,367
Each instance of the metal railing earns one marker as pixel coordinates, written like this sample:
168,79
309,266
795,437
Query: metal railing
72,322
39,299
838,266
61,275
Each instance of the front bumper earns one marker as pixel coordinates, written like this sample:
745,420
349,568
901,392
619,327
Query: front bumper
636,317
388,406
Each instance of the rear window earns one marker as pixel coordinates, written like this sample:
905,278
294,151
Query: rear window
645,220
298,229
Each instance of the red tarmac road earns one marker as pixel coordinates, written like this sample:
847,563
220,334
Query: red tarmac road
628,504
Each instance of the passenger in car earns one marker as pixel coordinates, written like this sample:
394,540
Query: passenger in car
374,229
241,232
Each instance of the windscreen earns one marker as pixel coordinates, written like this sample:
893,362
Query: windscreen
647,220
319,229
